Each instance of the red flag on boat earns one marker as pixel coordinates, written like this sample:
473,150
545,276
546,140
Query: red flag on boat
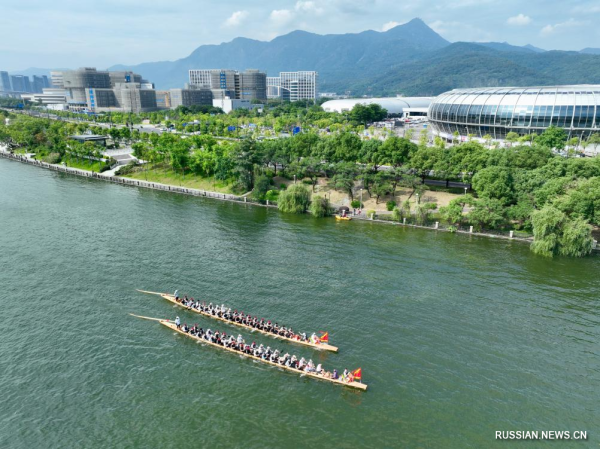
357,373
324,338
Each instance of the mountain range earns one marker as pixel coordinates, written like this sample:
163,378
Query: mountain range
409,59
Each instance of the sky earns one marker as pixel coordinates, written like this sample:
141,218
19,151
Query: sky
101,33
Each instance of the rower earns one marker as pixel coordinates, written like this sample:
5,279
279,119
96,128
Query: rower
240,340
319,369
176,294
177,322
345,375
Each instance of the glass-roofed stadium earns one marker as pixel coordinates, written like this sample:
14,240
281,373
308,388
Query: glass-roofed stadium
524,110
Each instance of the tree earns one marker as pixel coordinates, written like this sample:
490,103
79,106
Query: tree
582,200
367,113
371,153
554,234
344,182
381,186
512,137
311,168
319,206
262,185
422,211
494,182
488,140
452,213
487,213
295,199
552,137
397,150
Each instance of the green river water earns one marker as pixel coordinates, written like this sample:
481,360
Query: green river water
457,336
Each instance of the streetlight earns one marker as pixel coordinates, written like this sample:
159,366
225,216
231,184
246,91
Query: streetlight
418,199
465,190
294,179
361,204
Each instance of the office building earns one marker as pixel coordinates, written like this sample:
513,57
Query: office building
231,104
37,84
252,85
293,86
523,110
248,85
56,79
18,83
76,82
27,84
123,97
5,82
103,91
163,99
49,96
190,97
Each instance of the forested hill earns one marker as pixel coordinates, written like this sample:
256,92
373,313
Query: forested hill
337,57
474,65
410,59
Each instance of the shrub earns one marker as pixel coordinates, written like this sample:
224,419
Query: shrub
396,214
390,205
356,204
127,169
370,213
261,187
319,206
282,186
104,168
52,158
272,195
295,199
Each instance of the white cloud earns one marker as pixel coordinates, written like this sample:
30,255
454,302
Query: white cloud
519,20
236,18
389,25
588,8
281,16
551,29
308,7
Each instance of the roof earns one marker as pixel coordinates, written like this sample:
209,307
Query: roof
394,105
89,137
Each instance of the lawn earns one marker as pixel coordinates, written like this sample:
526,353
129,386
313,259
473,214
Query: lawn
168,176
84,164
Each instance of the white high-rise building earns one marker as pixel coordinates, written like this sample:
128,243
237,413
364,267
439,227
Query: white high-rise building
201,78
293,86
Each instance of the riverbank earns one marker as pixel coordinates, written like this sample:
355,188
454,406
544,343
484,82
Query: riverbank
132,182
233,198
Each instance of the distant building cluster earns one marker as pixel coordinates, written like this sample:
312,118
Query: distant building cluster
17,84
96,91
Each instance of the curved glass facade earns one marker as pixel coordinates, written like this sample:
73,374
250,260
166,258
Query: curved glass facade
524,110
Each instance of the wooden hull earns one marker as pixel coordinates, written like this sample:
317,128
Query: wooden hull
355,385
319,347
